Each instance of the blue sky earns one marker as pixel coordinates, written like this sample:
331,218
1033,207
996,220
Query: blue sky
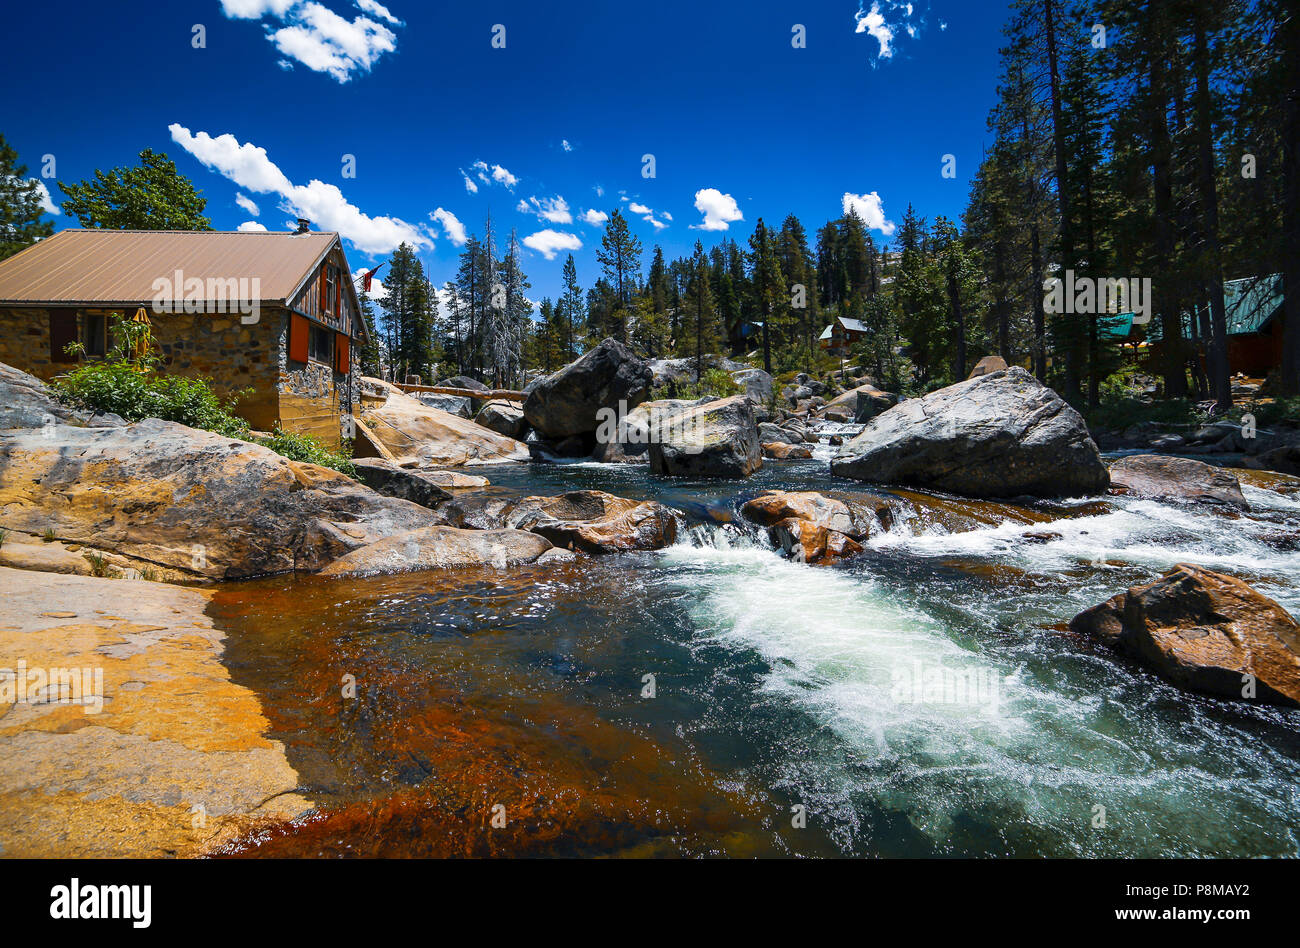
742,125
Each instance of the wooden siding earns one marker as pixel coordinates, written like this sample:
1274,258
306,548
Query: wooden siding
308,300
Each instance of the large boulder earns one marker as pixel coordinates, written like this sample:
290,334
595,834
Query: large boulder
999,435
861,404
1179,479
569,402
790,434
505,418
191,501
462,381
405,483
717,439
596,522
1206,632
758,385
627,439
442,547
416,434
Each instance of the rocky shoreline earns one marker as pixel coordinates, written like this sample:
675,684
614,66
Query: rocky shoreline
87,502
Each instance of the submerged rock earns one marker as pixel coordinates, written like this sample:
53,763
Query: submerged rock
718,439
998,435
1206,632
596,522
814,527
569,402
1179,479
441,547
414,433
189,500
784,451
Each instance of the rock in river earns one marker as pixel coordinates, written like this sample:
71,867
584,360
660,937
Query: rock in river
568,402
1161,477
1204,631
442,547
997,435
814,527
718,439
595,522
410,484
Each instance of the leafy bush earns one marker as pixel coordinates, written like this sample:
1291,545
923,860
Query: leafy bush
298,447
717,383
121,388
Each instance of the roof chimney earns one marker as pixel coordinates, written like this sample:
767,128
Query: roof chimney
304,226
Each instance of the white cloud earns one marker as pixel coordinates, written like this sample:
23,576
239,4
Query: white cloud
498,174
470,186
249,167
317,37
379,10
719,210
251,226
564,143
451,226
648,215
553,210
247,204
548,242
870,209
887,20
47,204
600,192
595,218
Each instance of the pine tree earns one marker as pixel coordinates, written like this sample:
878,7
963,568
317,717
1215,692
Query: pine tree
153,196
20,205
620,257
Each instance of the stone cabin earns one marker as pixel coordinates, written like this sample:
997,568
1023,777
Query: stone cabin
276,313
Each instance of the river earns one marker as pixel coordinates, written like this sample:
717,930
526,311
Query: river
924,698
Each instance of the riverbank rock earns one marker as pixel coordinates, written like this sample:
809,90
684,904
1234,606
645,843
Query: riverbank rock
411,484
505,418
784,451
718,439
165,729
417,434
758,385
1161,477
998,435
628,440
596,522
460,405
206,506
26,402
441,547
987,366
568,402
814,527
1204,631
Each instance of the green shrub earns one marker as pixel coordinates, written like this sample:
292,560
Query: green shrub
122,388
714,382
1117,412
298,447
1284,410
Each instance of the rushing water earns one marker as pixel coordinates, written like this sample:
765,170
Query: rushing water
923,698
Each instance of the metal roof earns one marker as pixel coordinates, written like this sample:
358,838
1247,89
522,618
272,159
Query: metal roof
1249,303
93,267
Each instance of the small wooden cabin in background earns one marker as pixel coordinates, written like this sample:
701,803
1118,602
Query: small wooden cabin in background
296,354
839,335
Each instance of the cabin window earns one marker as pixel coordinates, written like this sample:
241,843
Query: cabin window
95,334
331,301
320,345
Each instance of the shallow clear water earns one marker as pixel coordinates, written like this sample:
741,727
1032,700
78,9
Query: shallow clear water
922,698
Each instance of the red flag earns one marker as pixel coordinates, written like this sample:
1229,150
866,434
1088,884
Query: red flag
368,276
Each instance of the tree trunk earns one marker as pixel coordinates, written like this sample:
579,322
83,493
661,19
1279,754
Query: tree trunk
1289,42
1216,350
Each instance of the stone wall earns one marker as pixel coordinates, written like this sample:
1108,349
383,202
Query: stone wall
301,398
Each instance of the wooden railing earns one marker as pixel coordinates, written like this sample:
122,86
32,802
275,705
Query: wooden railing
492,395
